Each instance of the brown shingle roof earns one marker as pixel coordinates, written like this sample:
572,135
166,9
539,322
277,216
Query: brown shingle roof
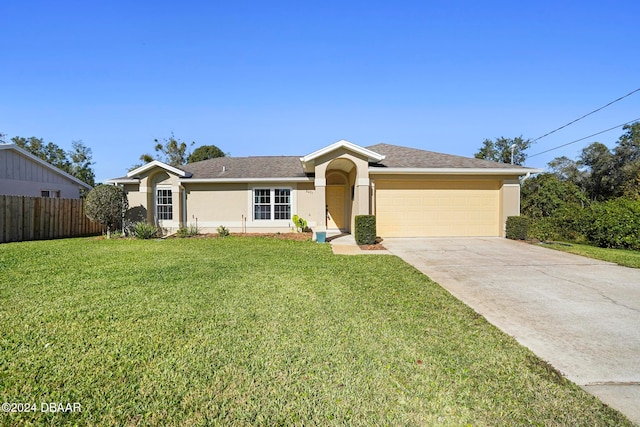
278,167
246,167
404,157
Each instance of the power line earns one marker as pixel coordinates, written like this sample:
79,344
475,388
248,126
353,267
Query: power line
588,114
582,139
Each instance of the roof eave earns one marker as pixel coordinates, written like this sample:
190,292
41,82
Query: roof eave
454,171
242,180
122,181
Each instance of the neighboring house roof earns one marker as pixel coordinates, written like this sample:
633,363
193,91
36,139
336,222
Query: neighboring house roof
383,158
43,163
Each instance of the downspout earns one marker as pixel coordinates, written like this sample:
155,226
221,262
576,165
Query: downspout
373,198
184,206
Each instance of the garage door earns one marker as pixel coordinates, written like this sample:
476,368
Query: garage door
434,209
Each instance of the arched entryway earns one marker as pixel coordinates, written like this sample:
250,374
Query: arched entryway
340,178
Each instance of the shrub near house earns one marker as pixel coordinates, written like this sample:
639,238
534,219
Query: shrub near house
365,229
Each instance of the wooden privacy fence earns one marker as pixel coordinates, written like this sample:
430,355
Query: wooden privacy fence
41,218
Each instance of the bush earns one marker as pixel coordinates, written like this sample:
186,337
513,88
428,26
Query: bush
144,230
189,231
613,224
543,229
106,204
365,233
517,227
223,231
568,223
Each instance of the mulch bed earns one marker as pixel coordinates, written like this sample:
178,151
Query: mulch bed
377,246
374,247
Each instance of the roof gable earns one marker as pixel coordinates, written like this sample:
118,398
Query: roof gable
369,154
45,164
159,164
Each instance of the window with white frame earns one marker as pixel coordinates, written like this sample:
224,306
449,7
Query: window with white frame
50,193
164,204
271,204
282,204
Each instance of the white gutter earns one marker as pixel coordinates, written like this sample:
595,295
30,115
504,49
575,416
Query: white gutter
122,181
453,171
241,180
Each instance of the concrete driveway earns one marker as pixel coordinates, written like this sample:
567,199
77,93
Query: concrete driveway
579,314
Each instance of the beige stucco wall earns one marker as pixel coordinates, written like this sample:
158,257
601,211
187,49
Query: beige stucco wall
231,205
213,205
509,201
357,177
306,194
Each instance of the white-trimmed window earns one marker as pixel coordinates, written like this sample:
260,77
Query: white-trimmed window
164,204
50,193
271,204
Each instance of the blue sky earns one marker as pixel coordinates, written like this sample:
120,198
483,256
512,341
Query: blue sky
287,78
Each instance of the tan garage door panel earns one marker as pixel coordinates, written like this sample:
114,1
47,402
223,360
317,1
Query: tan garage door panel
423,208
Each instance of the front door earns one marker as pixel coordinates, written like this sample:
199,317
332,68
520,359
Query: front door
335,207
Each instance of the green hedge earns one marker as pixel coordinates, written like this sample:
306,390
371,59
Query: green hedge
613,224
517,227
365,229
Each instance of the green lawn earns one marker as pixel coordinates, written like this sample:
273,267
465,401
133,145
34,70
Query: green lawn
257,331
627,258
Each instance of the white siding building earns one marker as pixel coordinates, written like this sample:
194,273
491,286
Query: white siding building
23,174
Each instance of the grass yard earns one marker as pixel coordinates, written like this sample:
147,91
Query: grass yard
257,331
624,257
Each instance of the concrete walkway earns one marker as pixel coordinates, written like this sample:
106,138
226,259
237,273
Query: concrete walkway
580,315
345,244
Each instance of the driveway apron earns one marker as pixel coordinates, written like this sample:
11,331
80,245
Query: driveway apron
580,315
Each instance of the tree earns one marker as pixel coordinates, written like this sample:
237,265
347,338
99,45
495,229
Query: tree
81,157
502,148
49,152
626,156
545,194
565,169
600,180
106,204
76,162
630,186
628,148
205,152
172,152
